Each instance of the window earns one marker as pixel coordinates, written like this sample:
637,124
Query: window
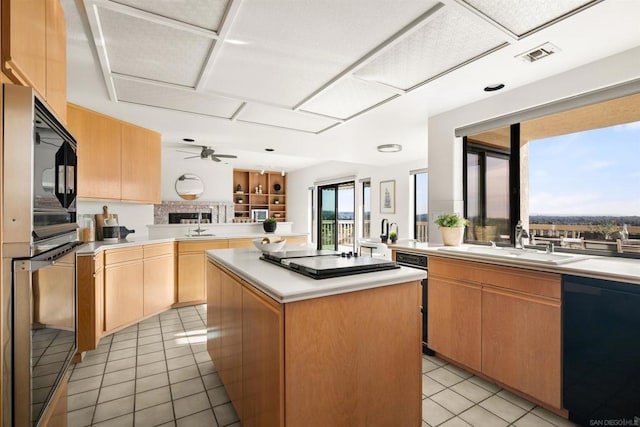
487,201
366,209
421,207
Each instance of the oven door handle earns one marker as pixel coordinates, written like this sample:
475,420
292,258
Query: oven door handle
45,259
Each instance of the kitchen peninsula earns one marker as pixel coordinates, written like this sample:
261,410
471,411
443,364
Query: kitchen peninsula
296,351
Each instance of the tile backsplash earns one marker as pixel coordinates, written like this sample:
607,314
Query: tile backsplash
221,212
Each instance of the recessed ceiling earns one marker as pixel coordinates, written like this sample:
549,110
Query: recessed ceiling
252,72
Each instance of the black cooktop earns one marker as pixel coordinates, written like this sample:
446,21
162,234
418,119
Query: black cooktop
323,264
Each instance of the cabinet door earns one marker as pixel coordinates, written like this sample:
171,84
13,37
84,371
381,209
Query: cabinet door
123,294
24,42
159,289
230,366
454,310
191,286
214,307
140,164
99,306
521,343
98,139
262,360
56,58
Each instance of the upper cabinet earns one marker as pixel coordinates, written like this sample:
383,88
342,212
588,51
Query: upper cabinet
116,160
34,48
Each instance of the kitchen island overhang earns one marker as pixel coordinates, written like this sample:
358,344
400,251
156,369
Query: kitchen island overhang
296,351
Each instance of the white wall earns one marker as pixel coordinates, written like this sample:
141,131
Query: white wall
445,150
217,177
299,182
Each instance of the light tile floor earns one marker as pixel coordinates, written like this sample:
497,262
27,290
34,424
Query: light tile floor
158,373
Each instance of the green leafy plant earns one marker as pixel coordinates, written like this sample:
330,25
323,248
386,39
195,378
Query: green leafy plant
271,220
393,235
451,221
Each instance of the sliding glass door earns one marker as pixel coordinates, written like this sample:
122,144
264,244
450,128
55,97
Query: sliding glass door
336,206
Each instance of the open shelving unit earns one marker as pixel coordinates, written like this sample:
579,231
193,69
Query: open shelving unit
246,193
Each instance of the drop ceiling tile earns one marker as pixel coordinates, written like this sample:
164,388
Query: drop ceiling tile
444,42
273,116
520,17
347,98
174,99
201,13
291,48
141,48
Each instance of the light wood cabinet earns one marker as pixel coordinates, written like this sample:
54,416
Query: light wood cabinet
56,92
273,196
454,319
159,277
99,153
90,285
501,321
24,45
140,164
34,49
191,269
123,287
120,161
521,342
279,373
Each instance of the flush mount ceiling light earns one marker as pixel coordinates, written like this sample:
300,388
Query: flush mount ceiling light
389,148
493,87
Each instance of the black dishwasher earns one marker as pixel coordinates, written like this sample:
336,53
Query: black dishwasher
410,259
601,351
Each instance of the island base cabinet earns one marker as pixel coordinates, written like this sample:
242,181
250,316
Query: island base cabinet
512,322
454,320
231,353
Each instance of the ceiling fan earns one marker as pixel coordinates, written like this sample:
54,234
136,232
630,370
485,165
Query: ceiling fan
208,152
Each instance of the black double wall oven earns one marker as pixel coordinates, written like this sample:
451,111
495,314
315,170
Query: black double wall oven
39,244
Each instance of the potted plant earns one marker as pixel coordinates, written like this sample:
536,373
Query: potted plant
269,225
276,201
452,228
393,236
240,200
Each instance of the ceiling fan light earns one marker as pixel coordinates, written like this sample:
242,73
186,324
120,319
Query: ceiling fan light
389,148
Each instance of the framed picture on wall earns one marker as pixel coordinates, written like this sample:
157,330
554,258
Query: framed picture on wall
388,197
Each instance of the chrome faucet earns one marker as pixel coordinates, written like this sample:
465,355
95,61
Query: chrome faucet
520,233
199,229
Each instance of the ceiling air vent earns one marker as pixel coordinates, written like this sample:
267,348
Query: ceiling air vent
539,53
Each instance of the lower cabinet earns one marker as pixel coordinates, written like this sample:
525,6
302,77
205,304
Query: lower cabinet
501,321
159,277
123,287
191,269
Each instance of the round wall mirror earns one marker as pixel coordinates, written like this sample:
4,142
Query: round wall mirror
189,186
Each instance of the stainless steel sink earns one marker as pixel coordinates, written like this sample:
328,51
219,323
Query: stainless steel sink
199,235
515,254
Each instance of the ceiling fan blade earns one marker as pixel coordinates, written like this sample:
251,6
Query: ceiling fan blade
226,156
188,152
215,158
193,157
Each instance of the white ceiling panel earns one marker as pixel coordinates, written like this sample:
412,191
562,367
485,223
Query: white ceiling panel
141,48
138,92
272,116
347,98
521,17
448,40
291,48
201,13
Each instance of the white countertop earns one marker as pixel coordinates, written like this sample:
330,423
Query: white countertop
601,267
92,248
287,286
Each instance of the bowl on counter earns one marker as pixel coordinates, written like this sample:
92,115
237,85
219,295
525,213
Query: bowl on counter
269,244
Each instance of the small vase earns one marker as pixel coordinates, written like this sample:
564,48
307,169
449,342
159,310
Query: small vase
269,227
452,236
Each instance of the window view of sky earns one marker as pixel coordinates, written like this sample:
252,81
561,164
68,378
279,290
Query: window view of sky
594,172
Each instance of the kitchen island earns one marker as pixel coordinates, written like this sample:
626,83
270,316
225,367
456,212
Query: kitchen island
296,351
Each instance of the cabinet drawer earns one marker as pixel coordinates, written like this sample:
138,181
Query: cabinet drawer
455,269
530,282
114,256
240,243
158,249
201,246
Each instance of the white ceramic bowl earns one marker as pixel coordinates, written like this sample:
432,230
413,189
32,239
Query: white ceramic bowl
269,247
